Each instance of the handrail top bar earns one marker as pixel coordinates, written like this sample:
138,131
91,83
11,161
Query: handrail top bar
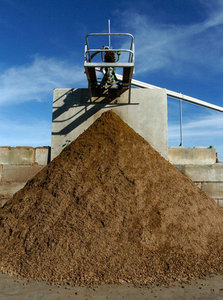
193,100
108,50
110,64
98,34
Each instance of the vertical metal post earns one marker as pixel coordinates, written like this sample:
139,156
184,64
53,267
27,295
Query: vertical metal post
181,129
109,37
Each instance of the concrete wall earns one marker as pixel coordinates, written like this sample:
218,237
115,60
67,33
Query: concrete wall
73,113
17,166
194,156
208,177
20,164
200,164
24,155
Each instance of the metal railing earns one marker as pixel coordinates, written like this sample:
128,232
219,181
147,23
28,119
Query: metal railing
88,51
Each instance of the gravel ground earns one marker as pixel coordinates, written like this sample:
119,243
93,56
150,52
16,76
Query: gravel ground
14,289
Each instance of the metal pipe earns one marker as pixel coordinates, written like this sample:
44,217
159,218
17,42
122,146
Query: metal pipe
107,50
181,131
131,51
113,33
130,59
175,95
194,100
109,36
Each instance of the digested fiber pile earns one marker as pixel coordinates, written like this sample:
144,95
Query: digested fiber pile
110,209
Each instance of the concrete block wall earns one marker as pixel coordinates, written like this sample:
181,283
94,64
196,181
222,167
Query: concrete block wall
194,156
207,177
17,166
201,165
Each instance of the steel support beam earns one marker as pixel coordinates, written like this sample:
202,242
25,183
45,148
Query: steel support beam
175,95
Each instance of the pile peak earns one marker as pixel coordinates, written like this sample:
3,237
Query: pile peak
110,208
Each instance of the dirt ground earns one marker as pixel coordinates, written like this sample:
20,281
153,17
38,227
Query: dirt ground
14,289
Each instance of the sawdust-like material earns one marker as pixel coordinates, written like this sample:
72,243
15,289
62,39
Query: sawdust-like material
110,209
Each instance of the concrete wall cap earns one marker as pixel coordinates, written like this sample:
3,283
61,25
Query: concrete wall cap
43,147
5,147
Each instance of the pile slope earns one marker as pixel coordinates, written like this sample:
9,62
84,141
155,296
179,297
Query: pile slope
110,209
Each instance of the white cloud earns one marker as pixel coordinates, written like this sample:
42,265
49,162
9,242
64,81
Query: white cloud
210,125
13,133
36,80
204,130
172,47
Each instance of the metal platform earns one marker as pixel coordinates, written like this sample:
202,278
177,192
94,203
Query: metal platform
101,74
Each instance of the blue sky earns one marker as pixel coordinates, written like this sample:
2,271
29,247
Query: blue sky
179,46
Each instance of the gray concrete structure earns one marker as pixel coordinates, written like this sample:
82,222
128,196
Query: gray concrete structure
1,167
42,155
73,113
200,173
18,165
194,156
8,189
16,173
17,156
213,189
13,178
209,178
24,155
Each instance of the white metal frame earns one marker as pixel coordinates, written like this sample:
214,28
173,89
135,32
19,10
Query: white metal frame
92,68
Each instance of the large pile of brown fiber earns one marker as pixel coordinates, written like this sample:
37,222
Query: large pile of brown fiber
110,209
